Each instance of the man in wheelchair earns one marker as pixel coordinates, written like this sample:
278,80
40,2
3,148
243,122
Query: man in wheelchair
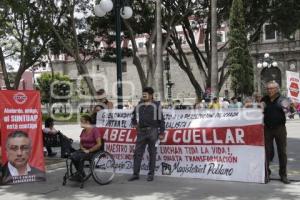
90,143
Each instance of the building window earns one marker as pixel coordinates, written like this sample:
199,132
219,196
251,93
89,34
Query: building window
98,67
269,32
124,66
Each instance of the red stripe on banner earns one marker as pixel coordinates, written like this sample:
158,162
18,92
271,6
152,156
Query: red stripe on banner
242,135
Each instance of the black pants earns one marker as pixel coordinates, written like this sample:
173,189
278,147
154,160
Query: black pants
78,158
49,150
145,137
280,135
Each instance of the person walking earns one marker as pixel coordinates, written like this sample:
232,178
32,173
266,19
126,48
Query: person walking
275,106
150,125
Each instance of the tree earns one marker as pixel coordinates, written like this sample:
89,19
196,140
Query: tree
23,37
53,88
144,23
72,34
239,59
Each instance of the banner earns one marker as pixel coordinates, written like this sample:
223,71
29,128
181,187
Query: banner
293,85
21,137
220,145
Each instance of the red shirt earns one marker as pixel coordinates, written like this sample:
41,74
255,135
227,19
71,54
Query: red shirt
88,140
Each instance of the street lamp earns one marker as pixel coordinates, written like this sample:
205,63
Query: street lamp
168,76
267,61
126,12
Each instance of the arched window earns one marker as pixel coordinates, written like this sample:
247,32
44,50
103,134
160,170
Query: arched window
270,74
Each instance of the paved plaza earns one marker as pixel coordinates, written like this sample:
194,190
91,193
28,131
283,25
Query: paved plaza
163,188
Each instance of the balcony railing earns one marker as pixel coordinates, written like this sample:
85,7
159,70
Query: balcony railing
275,47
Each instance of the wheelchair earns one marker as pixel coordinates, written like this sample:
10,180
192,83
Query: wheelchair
101,166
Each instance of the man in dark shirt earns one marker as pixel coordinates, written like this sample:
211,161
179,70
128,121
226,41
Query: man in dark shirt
274,120
149,122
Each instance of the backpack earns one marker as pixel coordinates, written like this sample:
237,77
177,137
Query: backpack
66,146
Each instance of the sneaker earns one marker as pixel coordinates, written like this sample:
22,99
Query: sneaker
285,180
269,172
267,180
150,178
133,178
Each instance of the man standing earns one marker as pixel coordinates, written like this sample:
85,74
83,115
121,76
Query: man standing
274,120
149,122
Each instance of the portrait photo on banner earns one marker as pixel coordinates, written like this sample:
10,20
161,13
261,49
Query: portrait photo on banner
22,158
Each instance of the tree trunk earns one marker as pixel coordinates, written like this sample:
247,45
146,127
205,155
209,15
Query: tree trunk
4,71
18,77
159,61
150,66
214,50
136,57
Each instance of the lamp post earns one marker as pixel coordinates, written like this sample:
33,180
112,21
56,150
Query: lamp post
101,9
267,61
269,71
168,76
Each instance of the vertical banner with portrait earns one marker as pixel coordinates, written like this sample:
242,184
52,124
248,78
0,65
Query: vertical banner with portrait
293,86
21,137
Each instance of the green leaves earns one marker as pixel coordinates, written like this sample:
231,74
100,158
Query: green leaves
240,65
61,86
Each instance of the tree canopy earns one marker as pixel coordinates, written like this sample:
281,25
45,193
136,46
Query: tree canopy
239,59
55,88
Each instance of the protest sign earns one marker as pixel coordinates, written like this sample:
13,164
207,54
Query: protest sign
220,145
21,137
293,85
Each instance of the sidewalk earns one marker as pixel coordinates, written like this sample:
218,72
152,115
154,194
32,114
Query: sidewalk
163,188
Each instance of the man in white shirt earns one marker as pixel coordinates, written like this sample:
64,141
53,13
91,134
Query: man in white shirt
17,169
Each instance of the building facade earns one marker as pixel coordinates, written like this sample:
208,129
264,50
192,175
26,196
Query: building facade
285,51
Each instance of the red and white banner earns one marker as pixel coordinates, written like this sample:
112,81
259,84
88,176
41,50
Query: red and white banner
293,85
221,145
21,137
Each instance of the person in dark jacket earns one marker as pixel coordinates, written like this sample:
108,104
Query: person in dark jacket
150,125
275,106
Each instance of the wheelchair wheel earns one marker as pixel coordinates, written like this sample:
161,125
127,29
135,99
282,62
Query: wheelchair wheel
103,167
86,170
